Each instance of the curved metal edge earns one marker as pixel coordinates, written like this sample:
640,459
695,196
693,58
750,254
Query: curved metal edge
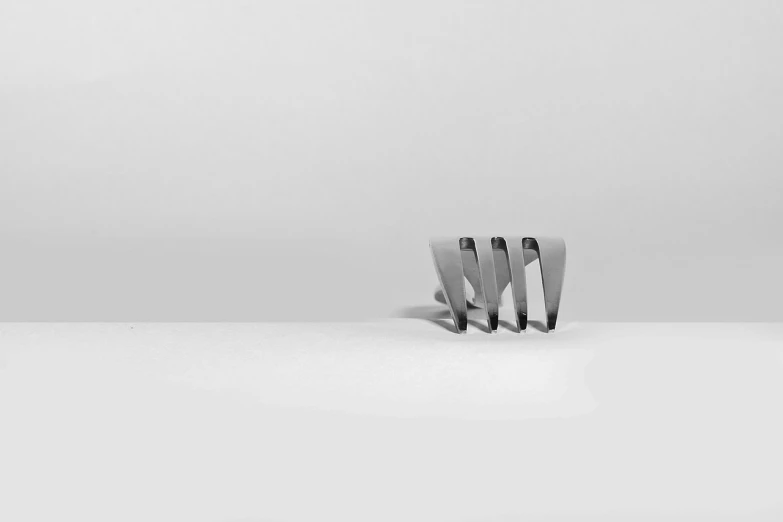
485,259
490,264
515,258
447,258
552,260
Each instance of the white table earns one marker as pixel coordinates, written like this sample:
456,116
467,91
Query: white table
398,420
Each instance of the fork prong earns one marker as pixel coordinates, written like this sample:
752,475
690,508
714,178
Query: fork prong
552,259
515,255
472,274
448,265
501,268
489,283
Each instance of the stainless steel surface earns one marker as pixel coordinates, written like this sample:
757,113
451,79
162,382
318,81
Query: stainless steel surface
490,265
484,257
515,261
552,258
447,257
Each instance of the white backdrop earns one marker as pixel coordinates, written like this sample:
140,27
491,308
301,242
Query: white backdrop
176,160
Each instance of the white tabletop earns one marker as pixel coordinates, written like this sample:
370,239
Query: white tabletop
390,421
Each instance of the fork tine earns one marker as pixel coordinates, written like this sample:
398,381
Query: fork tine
489,282
515,256
552,259
448,264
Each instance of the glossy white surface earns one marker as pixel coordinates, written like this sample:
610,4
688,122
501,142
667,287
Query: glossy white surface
393,420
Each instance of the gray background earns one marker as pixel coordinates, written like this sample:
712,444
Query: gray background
289,160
